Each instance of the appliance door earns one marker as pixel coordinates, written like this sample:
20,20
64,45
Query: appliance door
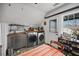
41,38
32,40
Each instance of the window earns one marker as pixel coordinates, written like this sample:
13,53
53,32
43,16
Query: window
72,21
69,20
53,26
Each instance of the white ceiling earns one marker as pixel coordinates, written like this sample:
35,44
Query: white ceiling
45,7
25,13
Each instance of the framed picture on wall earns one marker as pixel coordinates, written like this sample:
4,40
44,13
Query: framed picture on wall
53,26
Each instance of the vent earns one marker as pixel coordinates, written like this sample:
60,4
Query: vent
56,4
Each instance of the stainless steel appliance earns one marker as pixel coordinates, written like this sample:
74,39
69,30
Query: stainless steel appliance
41,37
32,39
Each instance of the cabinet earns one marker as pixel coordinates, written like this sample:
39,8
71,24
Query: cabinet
17,40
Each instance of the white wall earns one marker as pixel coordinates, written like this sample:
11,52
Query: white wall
0,35
20,13
52,36
3,38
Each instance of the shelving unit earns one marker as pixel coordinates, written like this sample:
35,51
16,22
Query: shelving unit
70,46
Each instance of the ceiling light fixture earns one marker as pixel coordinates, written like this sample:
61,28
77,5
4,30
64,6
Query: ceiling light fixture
35,3
9,4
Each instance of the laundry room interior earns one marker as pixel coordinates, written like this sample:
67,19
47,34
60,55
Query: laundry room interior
39,29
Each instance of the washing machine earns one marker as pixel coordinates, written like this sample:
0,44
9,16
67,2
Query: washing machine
41,38
32,39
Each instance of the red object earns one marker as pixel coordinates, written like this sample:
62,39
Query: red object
42,50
